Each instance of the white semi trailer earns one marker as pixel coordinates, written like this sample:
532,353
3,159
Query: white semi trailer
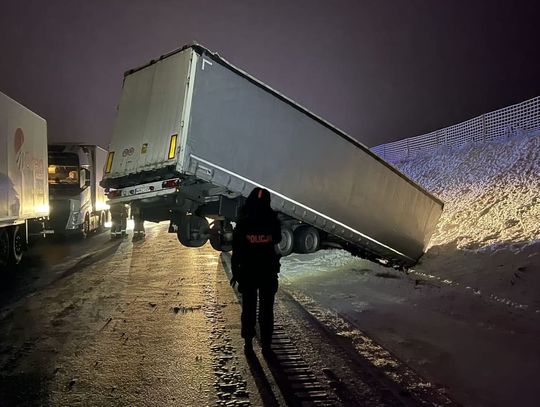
194,134
77,201
23,177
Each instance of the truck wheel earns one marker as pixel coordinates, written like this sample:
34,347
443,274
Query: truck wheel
193,231
4,247
101,226
285,247
218,236
306,239
85,230
17,246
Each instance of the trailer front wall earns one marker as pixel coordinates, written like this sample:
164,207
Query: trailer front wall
248,131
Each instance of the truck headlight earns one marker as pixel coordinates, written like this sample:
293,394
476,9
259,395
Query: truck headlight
74,218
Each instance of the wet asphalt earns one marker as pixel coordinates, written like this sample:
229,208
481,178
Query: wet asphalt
101,322
133,324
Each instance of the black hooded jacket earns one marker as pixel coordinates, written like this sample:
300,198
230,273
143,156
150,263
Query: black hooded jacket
256,233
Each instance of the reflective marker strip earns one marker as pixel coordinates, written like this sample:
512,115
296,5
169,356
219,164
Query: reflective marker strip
172,146
108,166
301,205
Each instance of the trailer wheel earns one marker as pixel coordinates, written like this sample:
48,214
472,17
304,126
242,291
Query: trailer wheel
221,236
85,229
306,239
4,247
17,246
193,231
285,247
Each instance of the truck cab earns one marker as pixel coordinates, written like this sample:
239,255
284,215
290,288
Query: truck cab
76,201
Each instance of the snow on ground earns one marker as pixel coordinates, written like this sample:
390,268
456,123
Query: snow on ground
319,262
490,190
488,237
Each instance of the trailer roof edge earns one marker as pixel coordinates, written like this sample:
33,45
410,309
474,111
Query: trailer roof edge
203,51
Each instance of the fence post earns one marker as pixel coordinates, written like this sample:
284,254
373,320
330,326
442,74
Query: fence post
484,128
407,144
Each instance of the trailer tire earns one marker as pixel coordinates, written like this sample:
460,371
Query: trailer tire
285,246
306,239
85,227
4,247
193,231
217,236
17,246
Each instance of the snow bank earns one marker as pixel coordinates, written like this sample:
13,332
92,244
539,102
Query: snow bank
321,261
491,193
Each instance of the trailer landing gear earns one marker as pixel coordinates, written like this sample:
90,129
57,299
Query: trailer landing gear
138,220
118,221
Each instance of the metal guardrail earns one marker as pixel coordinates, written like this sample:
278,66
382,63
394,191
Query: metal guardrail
519,119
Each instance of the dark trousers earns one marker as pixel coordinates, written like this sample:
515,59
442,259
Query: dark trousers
266,292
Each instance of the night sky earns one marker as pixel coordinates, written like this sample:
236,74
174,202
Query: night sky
380,70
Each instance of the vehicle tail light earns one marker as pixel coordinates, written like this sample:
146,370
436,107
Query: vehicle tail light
171,183
115,193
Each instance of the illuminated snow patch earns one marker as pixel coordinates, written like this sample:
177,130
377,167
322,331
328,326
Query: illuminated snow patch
490,191
319,262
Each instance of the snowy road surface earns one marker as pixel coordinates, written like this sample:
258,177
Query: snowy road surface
142,326
116,323
483,351
101,322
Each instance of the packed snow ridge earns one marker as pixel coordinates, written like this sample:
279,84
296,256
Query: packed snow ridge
491,193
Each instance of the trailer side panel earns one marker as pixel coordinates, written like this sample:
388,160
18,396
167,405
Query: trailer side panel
23,163
247,131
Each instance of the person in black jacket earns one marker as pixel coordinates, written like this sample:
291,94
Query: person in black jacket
255,265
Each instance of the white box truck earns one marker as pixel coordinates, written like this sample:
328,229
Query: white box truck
24,194
77,201
194,134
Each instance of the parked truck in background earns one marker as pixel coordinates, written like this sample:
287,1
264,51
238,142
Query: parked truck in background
23,178
77,201
194,134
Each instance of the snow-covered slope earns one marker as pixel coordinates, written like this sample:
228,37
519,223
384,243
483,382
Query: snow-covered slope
491,193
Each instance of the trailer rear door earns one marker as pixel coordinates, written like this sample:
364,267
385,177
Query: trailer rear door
147,129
